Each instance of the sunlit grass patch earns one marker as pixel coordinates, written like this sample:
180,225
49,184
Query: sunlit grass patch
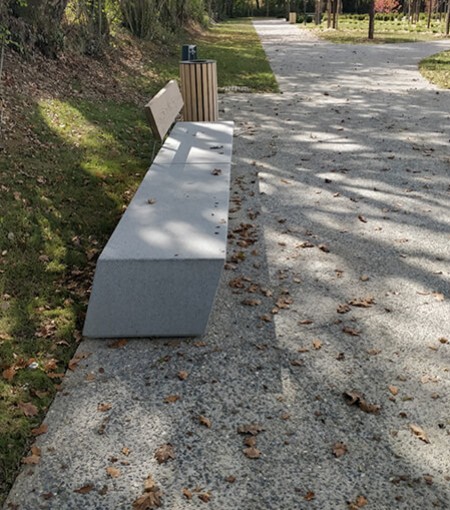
437,69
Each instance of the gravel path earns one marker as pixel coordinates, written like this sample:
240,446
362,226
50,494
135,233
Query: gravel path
338,282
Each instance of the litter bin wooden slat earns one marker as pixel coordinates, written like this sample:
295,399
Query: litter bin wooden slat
199,90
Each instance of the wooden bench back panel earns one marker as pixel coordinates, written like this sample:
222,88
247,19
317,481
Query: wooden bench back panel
163,109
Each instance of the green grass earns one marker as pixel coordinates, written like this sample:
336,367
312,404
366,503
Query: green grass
353,30
437,69
66,173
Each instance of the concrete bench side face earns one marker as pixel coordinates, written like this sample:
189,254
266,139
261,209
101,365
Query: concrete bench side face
137,298
163,109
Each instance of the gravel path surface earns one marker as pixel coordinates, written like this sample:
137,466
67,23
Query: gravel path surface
336,292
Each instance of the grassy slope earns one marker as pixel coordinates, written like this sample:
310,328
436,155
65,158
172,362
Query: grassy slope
74,151
437,69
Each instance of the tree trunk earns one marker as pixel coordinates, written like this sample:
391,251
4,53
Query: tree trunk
371,19
318,17
447,19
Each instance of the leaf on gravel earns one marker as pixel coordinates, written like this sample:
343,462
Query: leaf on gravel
205,497
373,352
73,363
42,429
126,451
252,452
305,322
266,318
362,219
393,389
118,344
151,497
438,296
187,493
86,489
237,283
284,302
251,302
204,421
112,472
230,479
339,449
317,344
252,428
183,375
170,399
303,349
364,278
359,502
34,457
309,496
356,398
429,378
28,409
324,248
305,244
104,407
343,308
250,441
443,340
366,302
419,433
164,453
350,331
297,362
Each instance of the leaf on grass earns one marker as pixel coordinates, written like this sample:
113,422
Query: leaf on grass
9,373
164,453
28,409
170,399
113,472
317,344
419,433
118,344
205,421
86,489
339,449
42,429
252,428
252,452
104,407
343,308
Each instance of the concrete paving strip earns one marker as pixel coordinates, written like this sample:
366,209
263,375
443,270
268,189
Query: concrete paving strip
340,201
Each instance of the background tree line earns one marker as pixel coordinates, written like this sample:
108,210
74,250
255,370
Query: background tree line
45,24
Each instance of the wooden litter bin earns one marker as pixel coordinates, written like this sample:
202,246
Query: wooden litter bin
292,18
199,90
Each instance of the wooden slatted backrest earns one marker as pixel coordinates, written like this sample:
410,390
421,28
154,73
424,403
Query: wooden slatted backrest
163,109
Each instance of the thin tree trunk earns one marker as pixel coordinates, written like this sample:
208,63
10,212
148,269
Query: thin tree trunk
430,7
371,19
447,19
328,13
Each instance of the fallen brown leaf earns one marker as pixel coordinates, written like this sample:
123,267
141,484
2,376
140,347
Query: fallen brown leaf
350,331
419,433
170,399
42,429
309,496
251,302
230,479
126,451
366,302
73,363
305,321
297,362
151,497
358,503
361,218
164,453
9,373
252,452
205,421
343,308
104,407
356,398
183,375
28,409
339,449
324,248
86,489
266,318
187,493
205,497
252,428
118,344
112,472
250,441
34,457
393,390
438,296
317,344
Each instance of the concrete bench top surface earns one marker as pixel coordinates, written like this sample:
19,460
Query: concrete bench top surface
179,211
197,142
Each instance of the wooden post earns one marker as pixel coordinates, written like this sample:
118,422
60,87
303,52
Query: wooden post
199,90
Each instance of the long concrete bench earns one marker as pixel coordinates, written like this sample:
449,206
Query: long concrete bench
159,272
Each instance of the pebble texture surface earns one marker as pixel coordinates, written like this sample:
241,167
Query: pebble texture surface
336,292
